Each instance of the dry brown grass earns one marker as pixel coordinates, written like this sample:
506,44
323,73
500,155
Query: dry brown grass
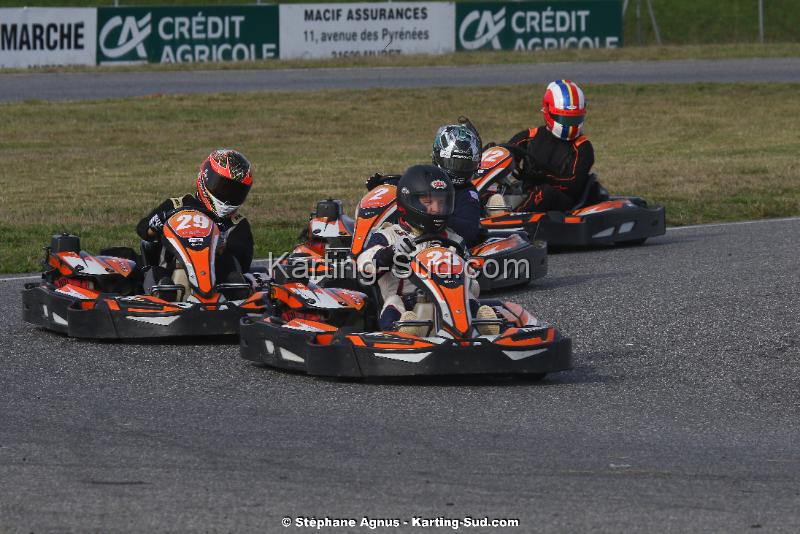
708,152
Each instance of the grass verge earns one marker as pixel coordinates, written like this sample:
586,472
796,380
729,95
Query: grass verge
96,167
634,53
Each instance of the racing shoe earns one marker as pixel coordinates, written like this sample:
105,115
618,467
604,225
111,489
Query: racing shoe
413,330
486,312
496,205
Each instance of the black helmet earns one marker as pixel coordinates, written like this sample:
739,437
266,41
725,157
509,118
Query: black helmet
425,198
457,150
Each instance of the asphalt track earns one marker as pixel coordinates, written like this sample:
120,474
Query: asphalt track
680,416
109,84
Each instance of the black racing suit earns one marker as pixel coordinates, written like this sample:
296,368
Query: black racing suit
238,252
557,171
466,218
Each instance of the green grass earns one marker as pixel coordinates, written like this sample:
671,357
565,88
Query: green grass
683,22
96,167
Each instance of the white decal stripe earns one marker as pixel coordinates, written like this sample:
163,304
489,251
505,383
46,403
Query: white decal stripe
290,356
604,233
90,265
411,358
304,328
160,321
58,319
521,354
67,290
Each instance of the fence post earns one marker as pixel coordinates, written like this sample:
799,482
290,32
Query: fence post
761,21
653,22
639,22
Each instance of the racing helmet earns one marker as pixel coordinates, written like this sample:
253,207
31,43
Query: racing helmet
564,109
457,151
224,181
425,198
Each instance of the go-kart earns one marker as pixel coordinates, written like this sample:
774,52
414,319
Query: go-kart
340,337
332,241
597,219
101,296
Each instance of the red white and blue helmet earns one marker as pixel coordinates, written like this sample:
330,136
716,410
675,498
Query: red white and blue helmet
564,109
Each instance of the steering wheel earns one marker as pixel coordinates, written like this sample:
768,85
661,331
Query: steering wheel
445,241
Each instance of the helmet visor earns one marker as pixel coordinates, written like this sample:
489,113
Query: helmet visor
436,203
461,166
226,190
568,120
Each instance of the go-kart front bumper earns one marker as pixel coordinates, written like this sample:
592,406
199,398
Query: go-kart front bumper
298,350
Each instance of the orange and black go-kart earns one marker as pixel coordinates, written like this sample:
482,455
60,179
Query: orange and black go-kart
102,297
597,218
333,241
330,337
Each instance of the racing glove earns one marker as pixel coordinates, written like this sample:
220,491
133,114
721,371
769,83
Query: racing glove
401,250
384,257
374,181
157,221
379,179
404,246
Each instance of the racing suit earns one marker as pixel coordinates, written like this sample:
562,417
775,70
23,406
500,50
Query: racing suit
235,233
466,218
556,172
397,293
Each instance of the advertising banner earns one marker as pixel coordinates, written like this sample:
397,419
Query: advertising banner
42,36
188,34
366,29
539,25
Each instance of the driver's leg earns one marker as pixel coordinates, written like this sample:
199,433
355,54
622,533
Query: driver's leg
228,269
545,198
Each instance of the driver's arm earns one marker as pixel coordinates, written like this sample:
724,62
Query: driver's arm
366,260
239,243
143,228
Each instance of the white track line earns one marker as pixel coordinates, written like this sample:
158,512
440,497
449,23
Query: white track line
31,277
734,223
670,229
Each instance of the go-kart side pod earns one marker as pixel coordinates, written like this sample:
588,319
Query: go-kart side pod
318,349
508,261
145,316
619,221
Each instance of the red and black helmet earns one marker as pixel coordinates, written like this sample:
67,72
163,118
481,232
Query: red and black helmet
564,109
224,181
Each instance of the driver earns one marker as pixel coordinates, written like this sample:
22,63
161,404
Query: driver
557,156
457,151
425,202
223,182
